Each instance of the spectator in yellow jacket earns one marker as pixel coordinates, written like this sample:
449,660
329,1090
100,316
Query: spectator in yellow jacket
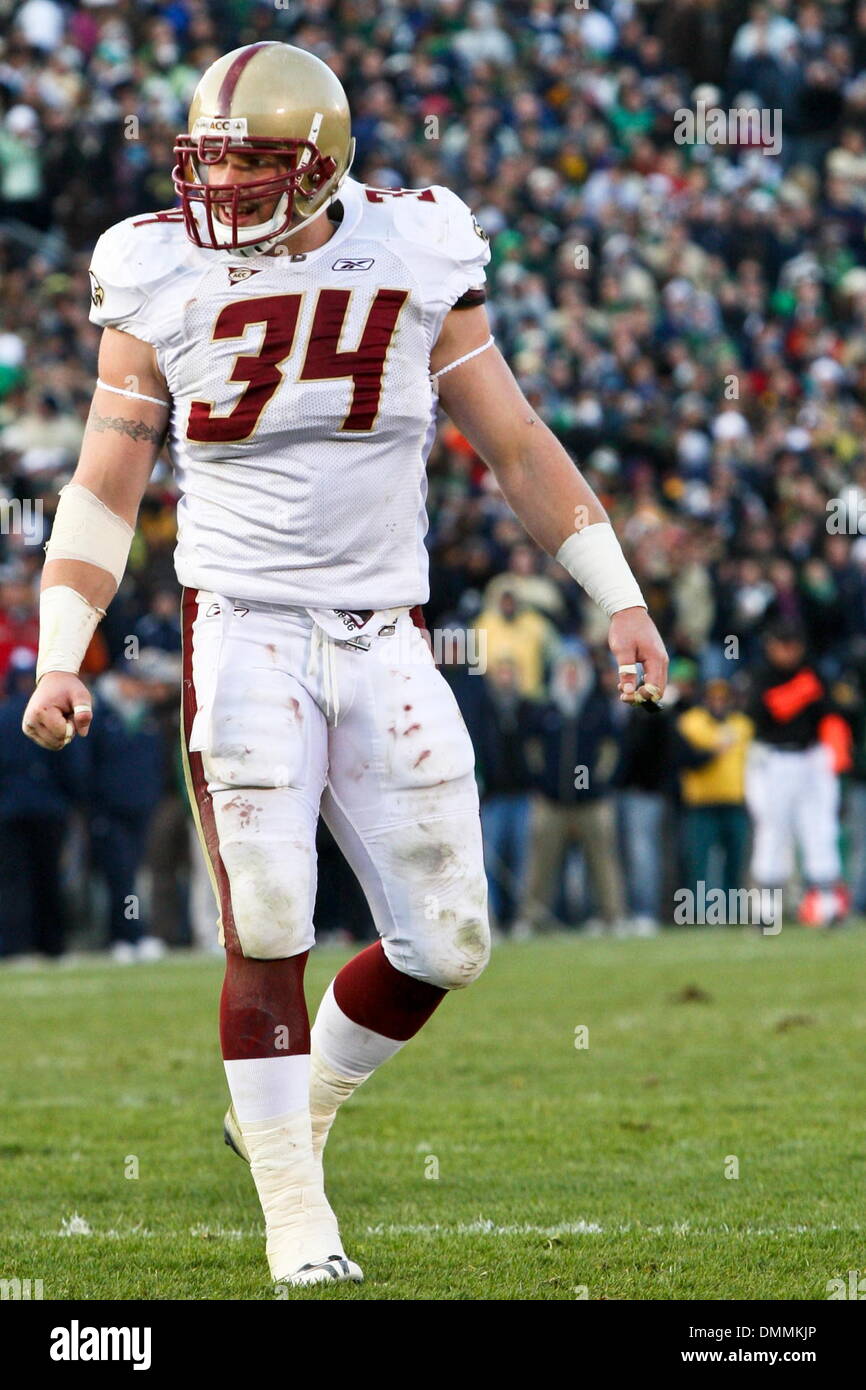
511,632
715,820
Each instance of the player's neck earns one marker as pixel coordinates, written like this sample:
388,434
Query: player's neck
307,238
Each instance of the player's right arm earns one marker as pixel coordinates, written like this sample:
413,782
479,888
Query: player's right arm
93,529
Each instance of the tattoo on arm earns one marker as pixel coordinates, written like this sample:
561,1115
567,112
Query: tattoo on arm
135,429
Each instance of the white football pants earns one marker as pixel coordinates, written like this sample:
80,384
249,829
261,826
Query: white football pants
283,720
793,799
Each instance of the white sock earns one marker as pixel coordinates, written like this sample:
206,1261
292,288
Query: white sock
262,1087
343,1055
300,1225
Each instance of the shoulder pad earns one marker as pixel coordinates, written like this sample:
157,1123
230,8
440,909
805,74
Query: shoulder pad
441,230
130,261
434,216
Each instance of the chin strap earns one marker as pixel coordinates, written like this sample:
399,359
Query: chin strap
223,232
270,243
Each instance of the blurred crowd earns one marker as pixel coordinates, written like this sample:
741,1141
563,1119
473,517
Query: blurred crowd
690,319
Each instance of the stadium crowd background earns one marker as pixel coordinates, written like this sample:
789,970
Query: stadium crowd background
690,320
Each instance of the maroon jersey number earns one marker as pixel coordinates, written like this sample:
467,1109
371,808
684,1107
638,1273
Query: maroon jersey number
259,370
323,360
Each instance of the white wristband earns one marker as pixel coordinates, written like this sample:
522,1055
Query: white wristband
66,624
593,556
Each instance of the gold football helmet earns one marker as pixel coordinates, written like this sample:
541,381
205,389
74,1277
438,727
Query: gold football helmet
264,99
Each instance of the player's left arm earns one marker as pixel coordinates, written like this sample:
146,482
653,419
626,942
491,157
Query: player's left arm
544,487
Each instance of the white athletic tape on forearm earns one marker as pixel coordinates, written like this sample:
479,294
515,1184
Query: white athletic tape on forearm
85,529
594,558
135,395
66,624
467,357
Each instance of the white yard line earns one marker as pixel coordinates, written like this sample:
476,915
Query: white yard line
77,1226
482,1227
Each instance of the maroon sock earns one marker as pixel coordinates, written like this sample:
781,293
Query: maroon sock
263,1010
373,994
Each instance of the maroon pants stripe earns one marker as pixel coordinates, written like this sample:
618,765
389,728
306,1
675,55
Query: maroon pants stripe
202,796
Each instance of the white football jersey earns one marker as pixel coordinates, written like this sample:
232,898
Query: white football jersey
302,405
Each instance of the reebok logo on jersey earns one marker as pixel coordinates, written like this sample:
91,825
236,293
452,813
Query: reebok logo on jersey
348,263
240,272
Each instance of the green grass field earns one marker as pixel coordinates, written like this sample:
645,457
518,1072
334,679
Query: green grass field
563,1171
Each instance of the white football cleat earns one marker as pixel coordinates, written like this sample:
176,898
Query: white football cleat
336,1269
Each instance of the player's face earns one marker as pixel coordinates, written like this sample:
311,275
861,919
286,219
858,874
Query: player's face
241,169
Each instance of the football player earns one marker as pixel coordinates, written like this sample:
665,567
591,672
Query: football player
290,330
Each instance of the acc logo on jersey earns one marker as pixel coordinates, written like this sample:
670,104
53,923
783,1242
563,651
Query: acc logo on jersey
350,263
240,272
97,293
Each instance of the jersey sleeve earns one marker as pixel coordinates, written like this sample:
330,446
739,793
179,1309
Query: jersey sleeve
468,251
119,277
448,249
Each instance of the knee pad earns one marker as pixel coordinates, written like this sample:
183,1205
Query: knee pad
270,866
466,954
448,943
450,959
437,900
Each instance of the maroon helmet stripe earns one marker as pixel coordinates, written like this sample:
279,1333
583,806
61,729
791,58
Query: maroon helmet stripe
198,778
232,77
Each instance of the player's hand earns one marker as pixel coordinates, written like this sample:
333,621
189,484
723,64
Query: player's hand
58,709
633,638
